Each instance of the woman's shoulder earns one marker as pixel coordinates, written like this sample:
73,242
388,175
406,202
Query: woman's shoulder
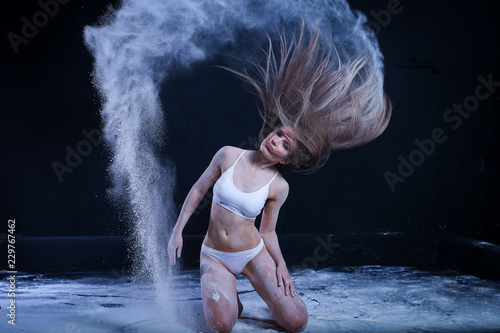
229,151
279,186
281,183
278,190
227,154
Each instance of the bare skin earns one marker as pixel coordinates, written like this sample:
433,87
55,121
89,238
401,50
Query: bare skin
229,232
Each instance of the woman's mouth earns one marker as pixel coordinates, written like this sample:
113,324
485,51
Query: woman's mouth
269,147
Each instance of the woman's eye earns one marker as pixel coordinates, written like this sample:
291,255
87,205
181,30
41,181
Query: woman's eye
279,133
286,146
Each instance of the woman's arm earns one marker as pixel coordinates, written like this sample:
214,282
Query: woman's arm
268,233
193,199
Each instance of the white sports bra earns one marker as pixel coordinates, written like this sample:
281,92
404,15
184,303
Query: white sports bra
245,204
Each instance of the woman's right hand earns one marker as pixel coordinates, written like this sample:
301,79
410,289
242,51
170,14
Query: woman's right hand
174,247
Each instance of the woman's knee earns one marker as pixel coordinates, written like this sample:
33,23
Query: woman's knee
294,320
295,324
221,322
218,287
220,313
298,323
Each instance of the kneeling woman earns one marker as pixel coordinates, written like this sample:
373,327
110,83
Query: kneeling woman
310,109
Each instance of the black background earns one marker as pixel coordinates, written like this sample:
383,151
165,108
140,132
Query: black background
434,53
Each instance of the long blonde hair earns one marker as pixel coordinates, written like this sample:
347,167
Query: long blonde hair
328,105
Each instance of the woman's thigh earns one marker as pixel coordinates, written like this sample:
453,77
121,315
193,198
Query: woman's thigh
218,288
289,312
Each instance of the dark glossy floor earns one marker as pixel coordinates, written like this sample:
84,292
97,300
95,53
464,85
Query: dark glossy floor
340,299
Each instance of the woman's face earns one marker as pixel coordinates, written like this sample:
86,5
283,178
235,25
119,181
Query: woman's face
279,145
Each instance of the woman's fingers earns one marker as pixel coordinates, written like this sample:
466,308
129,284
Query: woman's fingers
179,250
171,254
286,281
289,287
174,248
175,253
292,290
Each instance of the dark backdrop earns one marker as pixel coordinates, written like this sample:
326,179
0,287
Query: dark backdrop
436,56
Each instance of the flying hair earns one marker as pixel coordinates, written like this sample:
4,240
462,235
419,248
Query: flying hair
328,105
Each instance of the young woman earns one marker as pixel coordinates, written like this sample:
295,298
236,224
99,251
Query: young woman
312,105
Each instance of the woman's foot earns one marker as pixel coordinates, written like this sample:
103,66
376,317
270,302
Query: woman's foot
240,306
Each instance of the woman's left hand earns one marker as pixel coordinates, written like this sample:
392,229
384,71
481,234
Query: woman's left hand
284,279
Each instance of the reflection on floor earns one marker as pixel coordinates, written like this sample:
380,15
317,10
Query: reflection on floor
340,299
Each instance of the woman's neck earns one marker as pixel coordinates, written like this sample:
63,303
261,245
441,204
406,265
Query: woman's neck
260,161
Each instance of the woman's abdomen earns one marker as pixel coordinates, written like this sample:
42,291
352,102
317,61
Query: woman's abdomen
230,232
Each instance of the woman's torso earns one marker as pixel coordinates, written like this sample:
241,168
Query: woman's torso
239,194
